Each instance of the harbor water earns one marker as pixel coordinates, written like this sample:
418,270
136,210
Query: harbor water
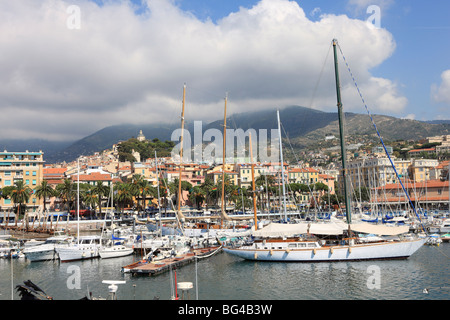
225,277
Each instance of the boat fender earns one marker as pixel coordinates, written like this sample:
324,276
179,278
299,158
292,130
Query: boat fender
271,252
331,250
349,250
314,251
288,250
256,255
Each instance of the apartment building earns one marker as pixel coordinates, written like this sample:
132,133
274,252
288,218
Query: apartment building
26,166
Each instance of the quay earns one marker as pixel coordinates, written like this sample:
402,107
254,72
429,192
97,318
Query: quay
153,268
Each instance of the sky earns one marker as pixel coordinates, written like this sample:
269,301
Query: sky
71,68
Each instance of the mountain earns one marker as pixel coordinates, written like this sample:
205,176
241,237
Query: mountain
306,128
107,137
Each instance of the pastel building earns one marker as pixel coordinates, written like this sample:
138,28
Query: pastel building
27,166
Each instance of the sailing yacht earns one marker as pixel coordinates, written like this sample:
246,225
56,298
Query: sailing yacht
85,247
334,241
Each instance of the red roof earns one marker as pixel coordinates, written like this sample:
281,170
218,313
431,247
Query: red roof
95,176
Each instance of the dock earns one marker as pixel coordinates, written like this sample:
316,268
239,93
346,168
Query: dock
153,268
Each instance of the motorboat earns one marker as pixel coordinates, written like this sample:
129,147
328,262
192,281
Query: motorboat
47,249
115,247
86,247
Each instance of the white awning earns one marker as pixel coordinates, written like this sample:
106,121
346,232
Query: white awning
380,230
332,228
289,230
282,230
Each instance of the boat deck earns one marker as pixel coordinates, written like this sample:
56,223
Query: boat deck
152,268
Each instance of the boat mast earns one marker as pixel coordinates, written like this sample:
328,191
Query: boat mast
159,202
78,201
341,132
224,215
253,181
180,215
282,167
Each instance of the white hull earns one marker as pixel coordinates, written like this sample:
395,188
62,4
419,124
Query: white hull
372,251
78,252
41,253
115,251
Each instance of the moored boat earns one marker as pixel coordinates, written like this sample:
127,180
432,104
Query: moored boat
47,249
87,247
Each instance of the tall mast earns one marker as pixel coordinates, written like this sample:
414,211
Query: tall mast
282,167
159,201
341,132
180,215
78,201
253,182
223,157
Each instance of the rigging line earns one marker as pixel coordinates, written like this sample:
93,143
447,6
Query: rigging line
293,152
381,139
320,76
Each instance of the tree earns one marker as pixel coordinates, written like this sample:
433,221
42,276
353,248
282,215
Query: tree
123,194
20,194
44,191
197,196
66,192
173,187
100,190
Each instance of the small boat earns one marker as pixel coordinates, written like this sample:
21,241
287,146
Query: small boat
115,251
445,237
47,249
87,247
445,227
434,240
115,248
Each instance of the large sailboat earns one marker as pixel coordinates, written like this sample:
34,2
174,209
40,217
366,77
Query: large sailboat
333,241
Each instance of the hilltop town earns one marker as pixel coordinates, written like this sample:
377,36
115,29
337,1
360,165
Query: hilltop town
314,181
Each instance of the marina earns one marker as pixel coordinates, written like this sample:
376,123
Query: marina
225,277
254,254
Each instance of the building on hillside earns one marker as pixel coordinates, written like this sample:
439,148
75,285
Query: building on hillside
419,170
54,176
26,166
303,175
418,152
140,136
92,178
328,181
426,194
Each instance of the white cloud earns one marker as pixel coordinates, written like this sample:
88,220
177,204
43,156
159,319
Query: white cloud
122,67
441,93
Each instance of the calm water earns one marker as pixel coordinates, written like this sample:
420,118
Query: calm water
224,277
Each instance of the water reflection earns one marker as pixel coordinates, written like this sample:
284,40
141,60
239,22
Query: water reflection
225,277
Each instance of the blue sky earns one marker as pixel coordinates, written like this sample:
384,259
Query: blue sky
126,61
421,30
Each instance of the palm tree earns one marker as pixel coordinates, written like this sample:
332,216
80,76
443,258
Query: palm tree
137,183
197,196
100,190
124,193
89,198
66,192
44,191
173,187
20,194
